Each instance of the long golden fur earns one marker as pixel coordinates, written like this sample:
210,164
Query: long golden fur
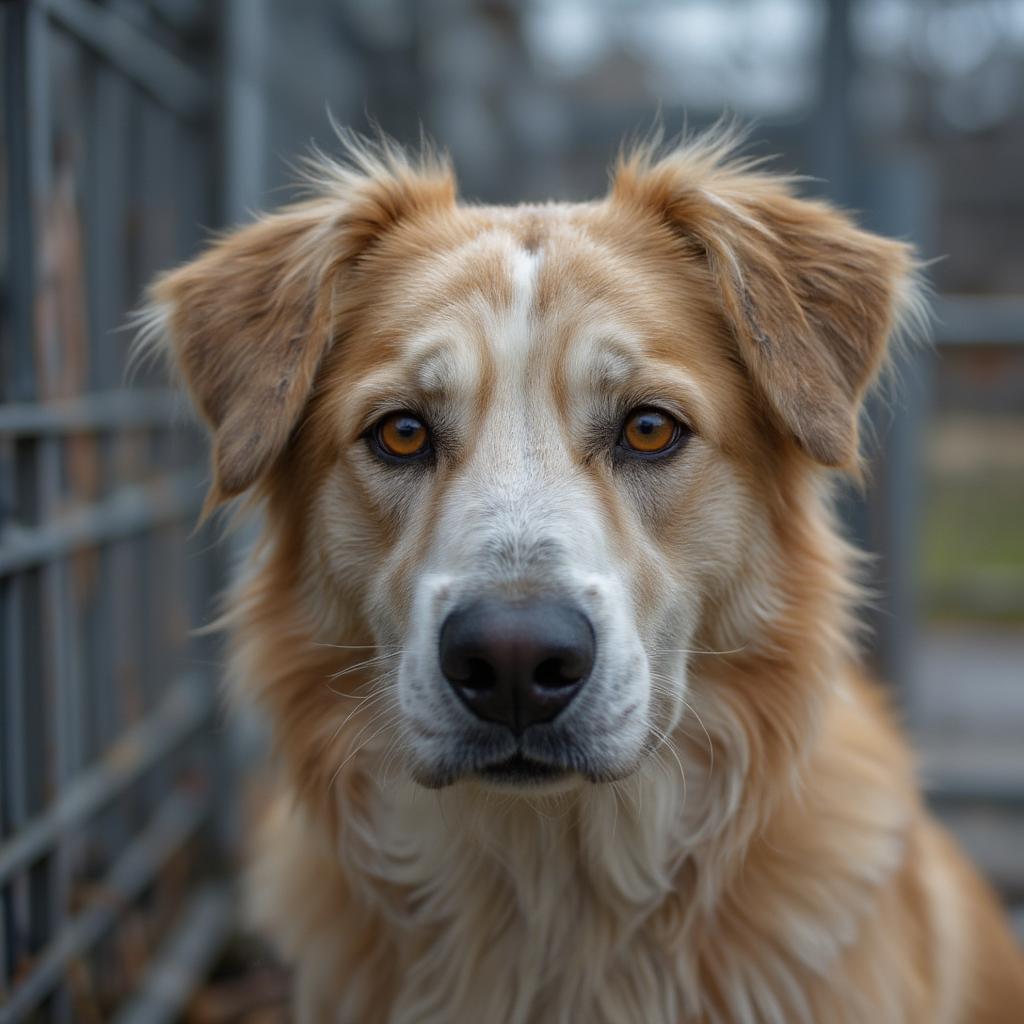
767,856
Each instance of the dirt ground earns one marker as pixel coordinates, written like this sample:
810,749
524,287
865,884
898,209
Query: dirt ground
247,988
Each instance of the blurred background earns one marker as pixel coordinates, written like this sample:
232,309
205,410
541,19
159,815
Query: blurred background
131,128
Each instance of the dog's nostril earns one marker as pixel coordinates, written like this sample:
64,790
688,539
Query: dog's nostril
554,673
464,669
479,674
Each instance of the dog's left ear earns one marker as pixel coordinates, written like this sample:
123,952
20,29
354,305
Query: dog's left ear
248,322
810,298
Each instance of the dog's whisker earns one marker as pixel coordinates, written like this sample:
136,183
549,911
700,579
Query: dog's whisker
390,756
675,694
377,705
370,700
357,647
698,650
386,708
665,743
372,684
707,734
394,750
658,679
441,809
351,696
364,664
359,749
616,798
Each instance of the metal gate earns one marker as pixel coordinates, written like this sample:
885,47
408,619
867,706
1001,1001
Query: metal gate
109,735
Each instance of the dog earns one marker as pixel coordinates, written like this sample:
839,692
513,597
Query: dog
550,615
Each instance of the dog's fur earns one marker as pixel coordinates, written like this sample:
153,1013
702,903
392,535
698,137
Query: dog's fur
742,837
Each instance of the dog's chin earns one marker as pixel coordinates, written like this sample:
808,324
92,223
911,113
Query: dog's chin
519,772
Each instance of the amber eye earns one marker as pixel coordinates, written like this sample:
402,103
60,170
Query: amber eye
649,432
401,435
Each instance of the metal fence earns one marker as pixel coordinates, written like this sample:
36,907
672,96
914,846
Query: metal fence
109,731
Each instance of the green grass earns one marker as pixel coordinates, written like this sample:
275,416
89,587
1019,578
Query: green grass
972,548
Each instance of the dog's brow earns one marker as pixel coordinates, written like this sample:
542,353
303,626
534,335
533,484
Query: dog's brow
614,365
680,387
436,367
432,368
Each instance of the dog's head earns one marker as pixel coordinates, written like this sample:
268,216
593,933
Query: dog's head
540,455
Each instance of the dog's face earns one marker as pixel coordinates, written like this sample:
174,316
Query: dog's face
539,457
536,452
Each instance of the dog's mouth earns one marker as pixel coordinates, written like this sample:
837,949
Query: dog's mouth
541,758
520,770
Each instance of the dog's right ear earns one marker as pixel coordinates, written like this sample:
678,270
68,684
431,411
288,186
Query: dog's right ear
810,299
248,322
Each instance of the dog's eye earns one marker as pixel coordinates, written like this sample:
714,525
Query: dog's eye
401,435
650,432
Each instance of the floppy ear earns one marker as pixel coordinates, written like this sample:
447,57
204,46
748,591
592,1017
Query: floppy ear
810,298
248,322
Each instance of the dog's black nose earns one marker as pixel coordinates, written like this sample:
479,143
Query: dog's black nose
517,663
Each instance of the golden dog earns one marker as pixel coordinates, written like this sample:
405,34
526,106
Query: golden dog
550,616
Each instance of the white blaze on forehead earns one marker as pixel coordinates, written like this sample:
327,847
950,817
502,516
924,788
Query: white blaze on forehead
446,358
516,426
525,264
520,428
511,330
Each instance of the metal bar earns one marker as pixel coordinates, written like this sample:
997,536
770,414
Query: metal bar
176,820
15,901
131,509
61,677
835,156
23,37
103,411
247,43
185,709
169,80
951,791
182,15
898,201
979,320
183,960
